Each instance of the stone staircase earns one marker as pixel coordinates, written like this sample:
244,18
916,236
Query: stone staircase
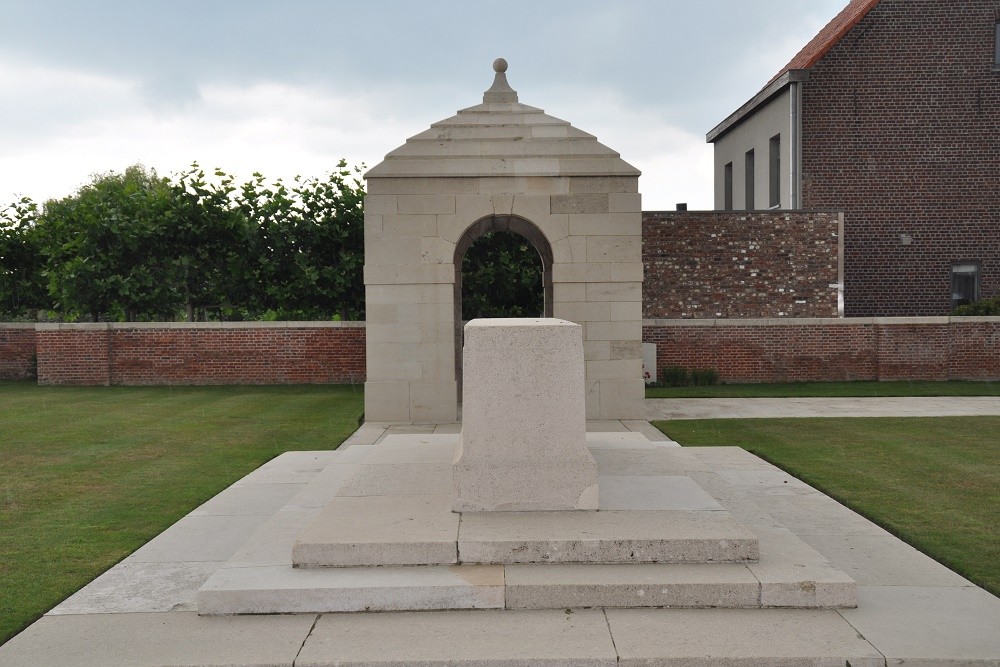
374,531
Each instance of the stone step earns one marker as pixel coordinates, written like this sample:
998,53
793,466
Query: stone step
273,589
735,638
422,530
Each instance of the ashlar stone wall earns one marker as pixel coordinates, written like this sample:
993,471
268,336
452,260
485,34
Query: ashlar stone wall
499,165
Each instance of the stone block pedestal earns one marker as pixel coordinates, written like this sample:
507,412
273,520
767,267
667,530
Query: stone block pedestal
523,444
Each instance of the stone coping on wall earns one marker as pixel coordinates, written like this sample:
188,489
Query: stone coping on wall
714,322
99,326
816,321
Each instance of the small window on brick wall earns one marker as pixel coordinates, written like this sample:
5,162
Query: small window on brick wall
774,171
964,284
996,45
727,183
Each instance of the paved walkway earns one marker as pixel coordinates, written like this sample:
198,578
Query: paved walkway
729,408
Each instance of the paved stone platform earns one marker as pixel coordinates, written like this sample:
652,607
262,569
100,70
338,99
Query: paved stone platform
887,406
911,610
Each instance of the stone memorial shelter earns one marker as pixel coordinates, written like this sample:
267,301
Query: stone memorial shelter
499,166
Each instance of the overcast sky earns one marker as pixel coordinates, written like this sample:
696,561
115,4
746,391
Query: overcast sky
291,87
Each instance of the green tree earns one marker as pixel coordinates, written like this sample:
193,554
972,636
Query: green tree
109,249
502,277
22,282
308,244
209,246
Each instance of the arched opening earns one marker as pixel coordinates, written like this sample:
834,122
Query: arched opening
499,224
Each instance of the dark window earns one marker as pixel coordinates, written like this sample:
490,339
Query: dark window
964,284
774,167
728,184
996,42
748,179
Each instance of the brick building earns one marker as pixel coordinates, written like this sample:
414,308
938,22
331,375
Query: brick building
892,115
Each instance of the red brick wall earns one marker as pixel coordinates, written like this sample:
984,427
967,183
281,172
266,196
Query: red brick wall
901,131
824,350
741,350
709,264
17,351
255,353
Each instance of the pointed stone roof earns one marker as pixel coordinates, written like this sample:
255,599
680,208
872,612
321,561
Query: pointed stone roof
502,137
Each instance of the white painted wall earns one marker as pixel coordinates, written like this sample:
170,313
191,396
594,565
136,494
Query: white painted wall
755,131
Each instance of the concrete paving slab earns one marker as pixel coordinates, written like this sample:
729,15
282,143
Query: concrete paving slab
131,586
409,429
604,537
291,468
430,448
738,638
271,544
651,432
380,530
367,434
741,408
738,503
355,454
324,486
626,440
730,458
179,639
483,638
872,560
816,514
605,426
448,428
765,482
200,538
924,626
284,590
793,574
574,585
408,479
249,499
659,461
653,492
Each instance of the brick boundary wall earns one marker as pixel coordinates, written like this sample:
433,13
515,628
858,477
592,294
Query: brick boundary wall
739,264
17,351
758,350
160,353
784,350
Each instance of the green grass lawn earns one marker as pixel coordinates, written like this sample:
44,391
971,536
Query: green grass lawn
792,389
89,474
932,481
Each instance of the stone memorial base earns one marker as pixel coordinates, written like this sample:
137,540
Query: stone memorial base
374,532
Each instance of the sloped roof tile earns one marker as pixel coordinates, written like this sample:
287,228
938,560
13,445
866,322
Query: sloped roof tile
828,37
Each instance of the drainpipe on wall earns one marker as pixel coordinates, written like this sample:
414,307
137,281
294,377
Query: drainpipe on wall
795,144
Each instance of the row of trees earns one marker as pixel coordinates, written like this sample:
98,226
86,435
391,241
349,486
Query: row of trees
134,246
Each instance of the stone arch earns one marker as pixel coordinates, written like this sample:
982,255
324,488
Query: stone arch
475,231
505,166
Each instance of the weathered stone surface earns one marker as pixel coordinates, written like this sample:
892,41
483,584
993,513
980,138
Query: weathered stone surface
284,590
748,638
380,530
181,639
523,441
484,638
604,537
650,585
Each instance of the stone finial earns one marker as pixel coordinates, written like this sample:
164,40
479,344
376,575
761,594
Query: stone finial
500,92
